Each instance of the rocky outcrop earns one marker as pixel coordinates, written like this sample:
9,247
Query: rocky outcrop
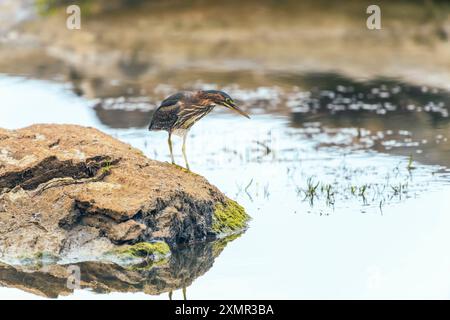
73,192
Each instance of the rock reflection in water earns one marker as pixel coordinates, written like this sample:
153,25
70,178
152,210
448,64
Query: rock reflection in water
177,272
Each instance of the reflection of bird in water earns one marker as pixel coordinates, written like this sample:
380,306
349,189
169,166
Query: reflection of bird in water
178,113
184,294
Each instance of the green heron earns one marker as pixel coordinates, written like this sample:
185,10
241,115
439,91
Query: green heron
178,113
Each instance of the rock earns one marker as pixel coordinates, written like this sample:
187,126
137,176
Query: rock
126,231
72,191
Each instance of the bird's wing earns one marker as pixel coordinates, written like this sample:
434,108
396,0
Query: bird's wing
173,99
167,113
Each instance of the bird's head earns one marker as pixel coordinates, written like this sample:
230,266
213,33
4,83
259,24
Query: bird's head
215,97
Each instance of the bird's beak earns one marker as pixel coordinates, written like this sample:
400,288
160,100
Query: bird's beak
234,107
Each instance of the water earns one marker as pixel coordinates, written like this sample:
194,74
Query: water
376,153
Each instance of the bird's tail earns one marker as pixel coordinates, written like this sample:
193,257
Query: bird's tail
152,126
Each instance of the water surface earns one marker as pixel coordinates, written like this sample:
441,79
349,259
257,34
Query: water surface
376,151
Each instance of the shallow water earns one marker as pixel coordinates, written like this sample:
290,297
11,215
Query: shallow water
376,153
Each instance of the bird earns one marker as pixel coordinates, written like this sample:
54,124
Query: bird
180,111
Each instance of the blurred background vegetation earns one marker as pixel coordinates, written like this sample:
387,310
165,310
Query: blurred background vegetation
149,40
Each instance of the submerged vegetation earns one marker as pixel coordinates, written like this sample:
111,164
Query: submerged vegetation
368,194
410,165
346,183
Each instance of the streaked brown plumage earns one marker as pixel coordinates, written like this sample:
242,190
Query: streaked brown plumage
179,112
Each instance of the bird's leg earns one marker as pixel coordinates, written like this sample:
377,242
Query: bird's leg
183,148
184,293
170,294
170,147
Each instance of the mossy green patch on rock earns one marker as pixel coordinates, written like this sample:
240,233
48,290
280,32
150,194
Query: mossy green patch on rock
229,217
157,250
